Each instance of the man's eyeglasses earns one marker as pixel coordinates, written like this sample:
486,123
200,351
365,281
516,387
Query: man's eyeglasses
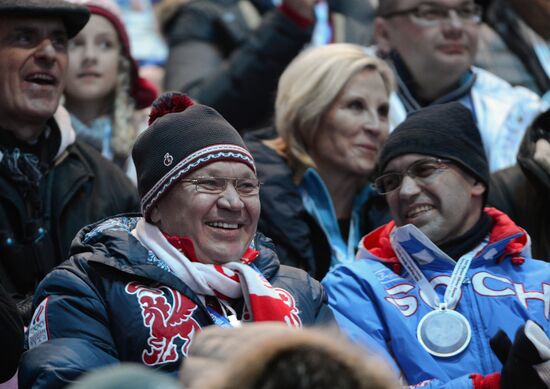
421,171
431,15
216,185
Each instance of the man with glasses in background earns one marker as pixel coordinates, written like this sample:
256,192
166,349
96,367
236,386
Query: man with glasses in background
447,281
432,45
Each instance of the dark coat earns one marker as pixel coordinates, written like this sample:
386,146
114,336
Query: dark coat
299,239
523,192
229,54
11,336
114,300
507,49
80,188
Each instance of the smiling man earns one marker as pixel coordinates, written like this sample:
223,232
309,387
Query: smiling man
51,184
432,287
431,46
139,289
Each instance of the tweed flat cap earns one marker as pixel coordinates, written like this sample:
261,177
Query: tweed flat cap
74,16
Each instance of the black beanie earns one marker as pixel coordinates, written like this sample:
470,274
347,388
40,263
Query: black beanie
182,137
443,130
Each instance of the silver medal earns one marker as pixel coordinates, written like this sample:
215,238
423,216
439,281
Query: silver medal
444,332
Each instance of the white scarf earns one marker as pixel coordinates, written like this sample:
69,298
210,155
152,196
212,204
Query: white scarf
231,280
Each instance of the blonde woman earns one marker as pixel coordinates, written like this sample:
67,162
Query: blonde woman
103,89
331,118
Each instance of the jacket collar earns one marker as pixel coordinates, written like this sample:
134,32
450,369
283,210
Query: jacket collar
506,239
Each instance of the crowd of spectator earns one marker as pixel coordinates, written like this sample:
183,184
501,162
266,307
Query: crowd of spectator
275,194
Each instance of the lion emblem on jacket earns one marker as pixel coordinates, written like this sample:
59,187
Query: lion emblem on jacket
169,315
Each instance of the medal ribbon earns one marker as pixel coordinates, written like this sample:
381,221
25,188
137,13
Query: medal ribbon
226,320
452,293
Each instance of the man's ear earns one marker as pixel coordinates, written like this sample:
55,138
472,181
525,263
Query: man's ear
478,188
381,35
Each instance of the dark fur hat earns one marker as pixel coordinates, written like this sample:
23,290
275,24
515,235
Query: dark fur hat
74,16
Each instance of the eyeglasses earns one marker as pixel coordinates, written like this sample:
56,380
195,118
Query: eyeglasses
216,185
431,15
421,171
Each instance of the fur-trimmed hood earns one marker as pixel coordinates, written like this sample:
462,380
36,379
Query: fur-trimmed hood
236,358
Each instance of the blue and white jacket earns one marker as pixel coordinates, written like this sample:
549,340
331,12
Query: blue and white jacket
378,305
502,112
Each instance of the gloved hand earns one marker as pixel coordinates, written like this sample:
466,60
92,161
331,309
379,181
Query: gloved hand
526,362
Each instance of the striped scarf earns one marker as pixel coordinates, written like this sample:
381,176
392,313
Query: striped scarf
232,280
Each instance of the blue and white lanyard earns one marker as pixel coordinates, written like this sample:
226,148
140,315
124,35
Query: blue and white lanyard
452,293
230,318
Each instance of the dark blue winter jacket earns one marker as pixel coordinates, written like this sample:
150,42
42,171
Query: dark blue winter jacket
114,301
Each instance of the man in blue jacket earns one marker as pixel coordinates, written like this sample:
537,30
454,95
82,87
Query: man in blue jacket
434,286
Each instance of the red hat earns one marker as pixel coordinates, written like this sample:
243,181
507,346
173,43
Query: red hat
142,90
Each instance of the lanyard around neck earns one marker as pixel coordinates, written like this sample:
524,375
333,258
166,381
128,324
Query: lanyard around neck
452,293
229,317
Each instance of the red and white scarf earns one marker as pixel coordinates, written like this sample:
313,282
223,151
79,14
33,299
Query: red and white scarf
232,280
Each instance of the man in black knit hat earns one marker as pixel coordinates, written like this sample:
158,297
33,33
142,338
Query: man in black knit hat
446,275
51,185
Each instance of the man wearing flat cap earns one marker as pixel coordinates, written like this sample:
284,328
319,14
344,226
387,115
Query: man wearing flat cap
51,184
442,288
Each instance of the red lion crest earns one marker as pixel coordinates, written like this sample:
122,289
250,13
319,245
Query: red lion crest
294,319
166,321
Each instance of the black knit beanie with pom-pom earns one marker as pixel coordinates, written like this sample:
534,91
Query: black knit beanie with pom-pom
182,137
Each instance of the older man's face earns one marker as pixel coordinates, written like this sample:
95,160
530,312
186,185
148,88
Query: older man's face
220,225
446,48
33,60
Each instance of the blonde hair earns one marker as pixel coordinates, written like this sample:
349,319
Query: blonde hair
124,132
308,88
